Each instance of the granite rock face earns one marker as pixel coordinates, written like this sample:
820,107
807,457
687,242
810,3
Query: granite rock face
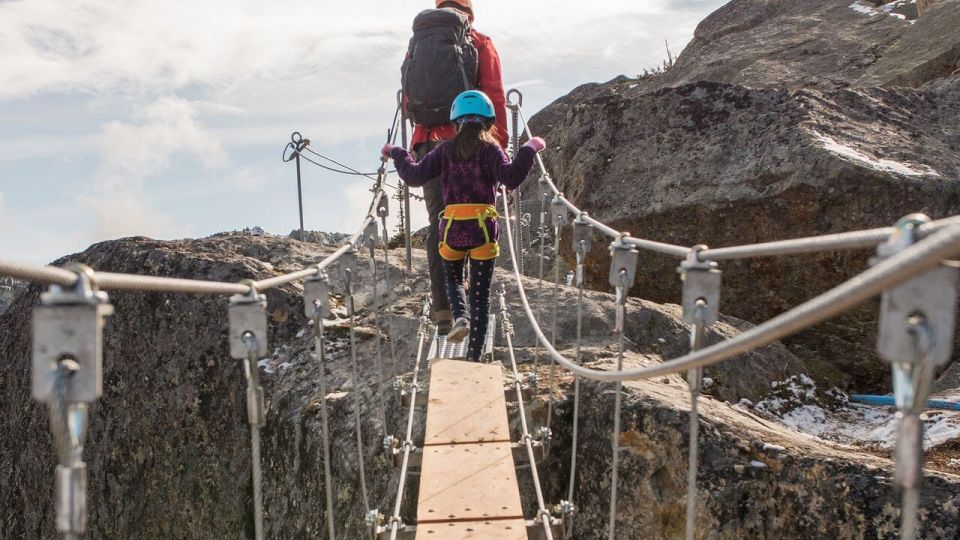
168,444
739,144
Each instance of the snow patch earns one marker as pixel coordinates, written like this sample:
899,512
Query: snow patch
797,405
863,10
880,164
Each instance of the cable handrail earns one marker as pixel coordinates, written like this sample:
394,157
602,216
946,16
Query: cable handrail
925,254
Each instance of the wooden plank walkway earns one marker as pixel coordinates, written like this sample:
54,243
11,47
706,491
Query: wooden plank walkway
468,484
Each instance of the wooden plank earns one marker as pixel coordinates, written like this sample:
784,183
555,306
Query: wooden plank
510,529
468,482
466,403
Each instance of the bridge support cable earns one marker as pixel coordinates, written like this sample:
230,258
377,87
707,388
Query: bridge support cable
347,268
371,237
623,271
912,261
543,514
582,238
316,296
917,325
701,308
559,218
396,524
248,342
383,211
407,233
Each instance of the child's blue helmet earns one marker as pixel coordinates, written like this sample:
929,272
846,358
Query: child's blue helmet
472,102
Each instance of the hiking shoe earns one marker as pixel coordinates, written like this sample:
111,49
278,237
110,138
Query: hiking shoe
443,327
459,331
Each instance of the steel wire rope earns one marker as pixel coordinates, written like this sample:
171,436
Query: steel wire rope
324,419
51,275
694,378
256,419
620,329
380,394
356,389
574,443
894,270
507,328
556,306
408,439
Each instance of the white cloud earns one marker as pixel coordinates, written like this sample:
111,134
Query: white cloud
139,93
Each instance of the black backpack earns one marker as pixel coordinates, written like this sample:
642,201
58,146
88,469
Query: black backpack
441,63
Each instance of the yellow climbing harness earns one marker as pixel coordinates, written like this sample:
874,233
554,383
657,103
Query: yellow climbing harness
466,212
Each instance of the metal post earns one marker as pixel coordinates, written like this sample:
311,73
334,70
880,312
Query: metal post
298,143
514,107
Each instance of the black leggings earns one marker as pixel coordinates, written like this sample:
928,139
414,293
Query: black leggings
481,273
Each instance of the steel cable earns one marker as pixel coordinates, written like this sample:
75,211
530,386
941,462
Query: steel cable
356,389
408,439
694,378
521,410
940,246
618,400
324,419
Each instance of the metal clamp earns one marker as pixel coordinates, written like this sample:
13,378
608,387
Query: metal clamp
316,296
623,262
347,263
371,233
931,296
383,206
544,434
701,283
559,213
69,324
248,314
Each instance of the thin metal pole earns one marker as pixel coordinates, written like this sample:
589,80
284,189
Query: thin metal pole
380,394
407,233
556,307
300,196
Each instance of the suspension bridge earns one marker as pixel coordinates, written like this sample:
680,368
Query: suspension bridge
466,457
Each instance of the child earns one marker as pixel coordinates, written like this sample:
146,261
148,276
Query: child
471,167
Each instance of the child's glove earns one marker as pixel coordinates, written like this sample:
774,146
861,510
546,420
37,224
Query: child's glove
387,150
536,143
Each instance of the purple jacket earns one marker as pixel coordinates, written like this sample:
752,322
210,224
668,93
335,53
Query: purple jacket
466,182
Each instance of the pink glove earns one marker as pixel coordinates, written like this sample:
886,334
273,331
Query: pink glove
536,143
387,150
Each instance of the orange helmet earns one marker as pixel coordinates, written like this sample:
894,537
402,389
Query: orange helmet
467,5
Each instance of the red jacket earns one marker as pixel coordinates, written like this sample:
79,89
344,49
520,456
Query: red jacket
490,82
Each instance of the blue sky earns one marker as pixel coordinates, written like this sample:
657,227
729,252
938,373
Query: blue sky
167,119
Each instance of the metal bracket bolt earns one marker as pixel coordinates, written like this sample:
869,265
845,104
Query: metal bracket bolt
701,288
316,296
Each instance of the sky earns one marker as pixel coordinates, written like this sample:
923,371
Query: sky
168,119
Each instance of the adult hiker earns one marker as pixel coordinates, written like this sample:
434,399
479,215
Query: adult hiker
446,57
471,168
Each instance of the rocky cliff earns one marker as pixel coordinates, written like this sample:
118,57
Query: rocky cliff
781,119
168,444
